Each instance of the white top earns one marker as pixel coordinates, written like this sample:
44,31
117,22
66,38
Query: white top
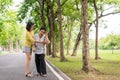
40,48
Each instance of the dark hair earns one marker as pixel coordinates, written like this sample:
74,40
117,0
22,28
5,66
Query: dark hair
43,28
29,25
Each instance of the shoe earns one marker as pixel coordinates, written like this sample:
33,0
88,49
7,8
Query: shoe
28,74
44,75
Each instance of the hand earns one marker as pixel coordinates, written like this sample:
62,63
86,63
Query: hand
33,48
46,33
38,42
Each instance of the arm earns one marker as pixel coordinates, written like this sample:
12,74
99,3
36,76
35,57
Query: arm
29,36
47,41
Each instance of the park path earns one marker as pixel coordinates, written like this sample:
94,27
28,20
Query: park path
12,67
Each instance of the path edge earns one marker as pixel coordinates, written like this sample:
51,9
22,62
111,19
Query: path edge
63,75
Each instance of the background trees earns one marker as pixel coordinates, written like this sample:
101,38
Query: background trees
11,32
112,41
65,21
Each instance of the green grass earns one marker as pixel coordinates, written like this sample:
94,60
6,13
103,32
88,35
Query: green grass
109,64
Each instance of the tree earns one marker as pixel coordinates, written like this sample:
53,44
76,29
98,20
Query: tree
111,41
51,22
62,57
71,22
73,14
30,10
96,25
112,5
4,4
10,32
41,4
87,67
77,42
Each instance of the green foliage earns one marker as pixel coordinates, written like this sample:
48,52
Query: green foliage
30,11
70,10
10,28
110,42
4,38
116,2
25,9
4,4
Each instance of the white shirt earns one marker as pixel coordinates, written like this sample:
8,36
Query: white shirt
40,48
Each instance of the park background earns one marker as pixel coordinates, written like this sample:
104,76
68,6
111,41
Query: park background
14,14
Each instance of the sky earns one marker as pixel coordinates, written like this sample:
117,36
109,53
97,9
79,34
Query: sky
15,5
112,22
113,26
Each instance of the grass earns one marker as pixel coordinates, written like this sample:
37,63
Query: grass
109,65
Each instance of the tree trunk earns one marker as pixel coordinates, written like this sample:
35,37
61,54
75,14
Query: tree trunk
42,17
53,30
53,44
96,25
85,52
77,43
17,46
49,52
68,42
10,48
62,57
51,20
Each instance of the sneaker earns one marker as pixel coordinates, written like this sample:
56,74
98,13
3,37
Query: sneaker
44,75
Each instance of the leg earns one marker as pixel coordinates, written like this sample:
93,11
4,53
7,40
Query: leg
37,62
43,64
28,59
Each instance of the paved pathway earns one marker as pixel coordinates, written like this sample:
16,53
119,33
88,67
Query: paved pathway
12,67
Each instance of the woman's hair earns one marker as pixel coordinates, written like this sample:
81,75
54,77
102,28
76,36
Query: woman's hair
43,28
29,25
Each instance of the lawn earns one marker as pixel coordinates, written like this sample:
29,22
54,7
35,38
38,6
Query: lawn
108,65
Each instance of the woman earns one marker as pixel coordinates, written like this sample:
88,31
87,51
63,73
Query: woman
29,40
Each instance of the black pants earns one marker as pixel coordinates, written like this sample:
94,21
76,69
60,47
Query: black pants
40,63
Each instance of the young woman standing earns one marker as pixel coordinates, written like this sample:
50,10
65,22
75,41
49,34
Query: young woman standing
29,40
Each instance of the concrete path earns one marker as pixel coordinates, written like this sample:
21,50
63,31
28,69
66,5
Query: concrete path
12,67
